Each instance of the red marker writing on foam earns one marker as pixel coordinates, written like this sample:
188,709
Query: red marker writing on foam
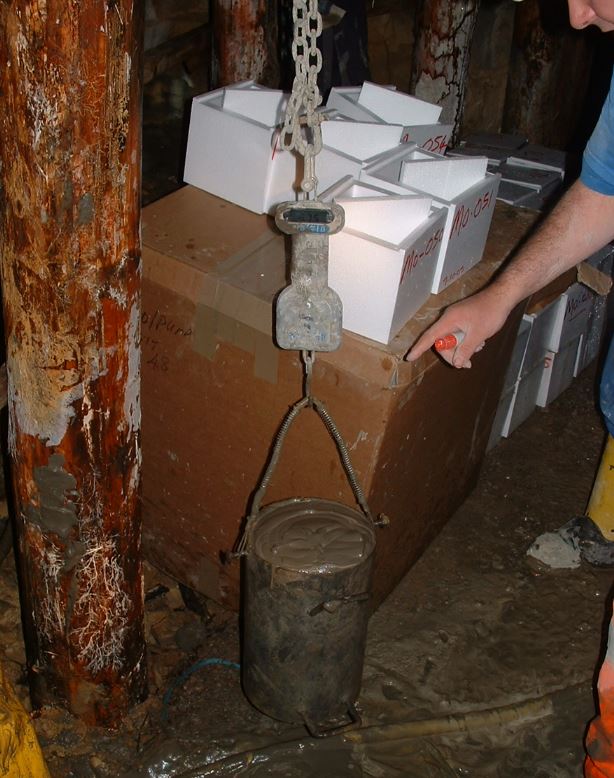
452,340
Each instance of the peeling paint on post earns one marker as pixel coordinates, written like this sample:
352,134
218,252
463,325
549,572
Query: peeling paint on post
245,42
441,55
70,84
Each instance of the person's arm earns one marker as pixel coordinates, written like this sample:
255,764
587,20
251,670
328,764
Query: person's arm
581,223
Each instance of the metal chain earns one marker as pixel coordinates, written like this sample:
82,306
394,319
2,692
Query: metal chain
303,133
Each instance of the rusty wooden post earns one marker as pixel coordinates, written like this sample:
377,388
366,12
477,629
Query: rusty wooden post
70,122
441,55
245,42
548,60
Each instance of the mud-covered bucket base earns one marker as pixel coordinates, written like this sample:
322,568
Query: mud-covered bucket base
307,579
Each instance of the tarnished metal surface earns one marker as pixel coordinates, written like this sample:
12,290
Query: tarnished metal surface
70,82
307,583
244,42
441,55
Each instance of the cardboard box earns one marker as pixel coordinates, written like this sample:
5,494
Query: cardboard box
382,263
215,388
602,259
372,102
233,148
456,184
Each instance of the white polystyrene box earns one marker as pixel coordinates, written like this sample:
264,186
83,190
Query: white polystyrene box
519,396
429,134
397,107
345,100
355,145
380,214
518,354
579,355
503,410
524,400
558,371
383,283
332,166
447,178
512,376
235,154
265,106
542,323
470,209
361,140
572,316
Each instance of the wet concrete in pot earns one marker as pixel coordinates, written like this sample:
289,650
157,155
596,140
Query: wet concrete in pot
492,655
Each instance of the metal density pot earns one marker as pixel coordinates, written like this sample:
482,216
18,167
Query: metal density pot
307,580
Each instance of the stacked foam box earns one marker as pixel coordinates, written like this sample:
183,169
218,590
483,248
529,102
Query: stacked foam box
462,186
375,103
347,146
526,389
422,224
569,327
556,343
524,375
512,377
382,263
530,174
233,149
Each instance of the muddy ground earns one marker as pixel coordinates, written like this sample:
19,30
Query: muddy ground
475,631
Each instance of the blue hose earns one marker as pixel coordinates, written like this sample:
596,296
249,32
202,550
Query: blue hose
181,679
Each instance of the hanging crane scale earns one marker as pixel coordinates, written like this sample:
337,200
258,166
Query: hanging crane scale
309,312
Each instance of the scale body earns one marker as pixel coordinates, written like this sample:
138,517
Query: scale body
309,313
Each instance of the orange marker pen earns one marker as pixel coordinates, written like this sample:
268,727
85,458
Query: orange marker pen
449,341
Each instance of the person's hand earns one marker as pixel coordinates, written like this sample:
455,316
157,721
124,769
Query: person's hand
478,318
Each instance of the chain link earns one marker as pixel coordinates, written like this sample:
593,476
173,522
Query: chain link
303,132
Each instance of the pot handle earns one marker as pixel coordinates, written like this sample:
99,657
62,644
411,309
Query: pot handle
344,456
334,603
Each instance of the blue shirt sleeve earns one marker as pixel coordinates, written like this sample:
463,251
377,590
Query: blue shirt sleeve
598,161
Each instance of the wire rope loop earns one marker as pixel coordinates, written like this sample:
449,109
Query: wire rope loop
342,450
